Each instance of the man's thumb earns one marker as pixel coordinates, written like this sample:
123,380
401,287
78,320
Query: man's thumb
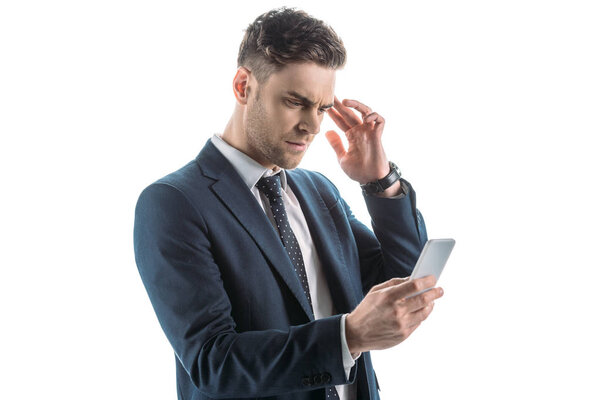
336,142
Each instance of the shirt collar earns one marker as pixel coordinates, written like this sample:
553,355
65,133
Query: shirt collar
250,170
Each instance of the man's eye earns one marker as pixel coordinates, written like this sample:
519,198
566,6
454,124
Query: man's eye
294,103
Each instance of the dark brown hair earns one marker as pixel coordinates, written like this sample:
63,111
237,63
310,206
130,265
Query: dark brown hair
284,36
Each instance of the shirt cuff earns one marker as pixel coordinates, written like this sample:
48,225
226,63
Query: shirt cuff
346,356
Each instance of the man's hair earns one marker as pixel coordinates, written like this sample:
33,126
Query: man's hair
284,36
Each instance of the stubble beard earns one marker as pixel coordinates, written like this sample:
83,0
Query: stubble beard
260,139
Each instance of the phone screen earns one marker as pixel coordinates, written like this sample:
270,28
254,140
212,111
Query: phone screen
433,258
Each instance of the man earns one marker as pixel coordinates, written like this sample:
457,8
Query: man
264,282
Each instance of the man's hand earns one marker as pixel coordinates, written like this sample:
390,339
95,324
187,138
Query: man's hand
364,161
386,317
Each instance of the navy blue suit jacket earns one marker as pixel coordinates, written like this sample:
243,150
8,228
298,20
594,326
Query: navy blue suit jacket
225,291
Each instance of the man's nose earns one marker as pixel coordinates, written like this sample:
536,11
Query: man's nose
311,122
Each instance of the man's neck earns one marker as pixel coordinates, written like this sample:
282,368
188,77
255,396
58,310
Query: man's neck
234,137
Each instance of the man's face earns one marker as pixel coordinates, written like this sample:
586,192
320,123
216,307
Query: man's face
284,114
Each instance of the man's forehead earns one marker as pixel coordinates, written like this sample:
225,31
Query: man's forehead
305,79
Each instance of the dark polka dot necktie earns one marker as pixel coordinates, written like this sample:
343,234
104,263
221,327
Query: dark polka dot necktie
271,187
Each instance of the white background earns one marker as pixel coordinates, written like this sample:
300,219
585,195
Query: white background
492,111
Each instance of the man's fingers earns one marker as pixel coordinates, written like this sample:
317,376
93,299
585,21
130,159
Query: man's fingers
360,107
388,283
338,119
422,300
413,286
336,142
374,117
349,116
420,315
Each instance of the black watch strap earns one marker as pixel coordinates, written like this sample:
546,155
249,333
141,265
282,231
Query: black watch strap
380,185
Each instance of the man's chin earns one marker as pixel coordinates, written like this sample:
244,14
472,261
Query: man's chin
290,163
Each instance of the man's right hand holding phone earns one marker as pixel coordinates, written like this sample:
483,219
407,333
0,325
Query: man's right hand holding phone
386,317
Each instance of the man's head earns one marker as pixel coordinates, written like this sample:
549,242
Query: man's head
284,83
285,36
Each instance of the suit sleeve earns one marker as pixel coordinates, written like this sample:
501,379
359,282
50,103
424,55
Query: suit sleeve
173,255
399,234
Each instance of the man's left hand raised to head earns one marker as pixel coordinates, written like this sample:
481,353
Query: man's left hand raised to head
364,160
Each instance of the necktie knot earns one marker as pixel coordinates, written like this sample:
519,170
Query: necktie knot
270,186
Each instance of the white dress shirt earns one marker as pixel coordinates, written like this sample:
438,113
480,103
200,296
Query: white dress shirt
251,171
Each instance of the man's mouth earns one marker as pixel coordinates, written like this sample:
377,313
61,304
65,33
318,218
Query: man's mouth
300,146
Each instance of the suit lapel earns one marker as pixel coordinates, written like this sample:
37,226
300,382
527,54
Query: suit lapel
233,192
326,240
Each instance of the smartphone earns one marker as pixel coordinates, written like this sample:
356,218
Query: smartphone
432,260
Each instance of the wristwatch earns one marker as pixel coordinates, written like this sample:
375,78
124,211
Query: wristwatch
380,185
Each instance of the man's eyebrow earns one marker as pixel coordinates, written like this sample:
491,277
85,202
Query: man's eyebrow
306,100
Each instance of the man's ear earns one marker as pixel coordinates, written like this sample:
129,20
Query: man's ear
241,85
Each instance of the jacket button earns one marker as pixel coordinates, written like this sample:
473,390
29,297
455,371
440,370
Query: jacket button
318,379
326,377
306,381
